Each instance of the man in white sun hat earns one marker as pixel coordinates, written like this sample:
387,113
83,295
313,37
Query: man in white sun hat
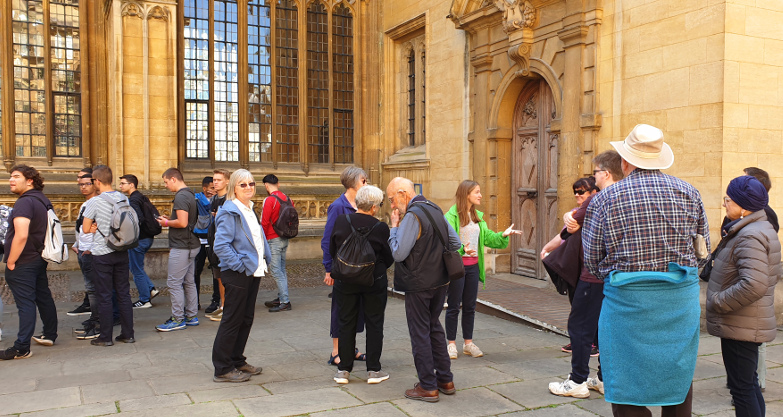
640,236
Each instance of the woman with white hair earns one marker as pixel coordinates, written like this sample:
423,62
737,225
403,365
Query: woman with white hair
241,246
353,297
353,178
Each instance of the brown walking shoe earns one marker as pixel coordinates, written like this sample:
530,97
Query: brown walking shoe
250,369
447,388
234,375
419,393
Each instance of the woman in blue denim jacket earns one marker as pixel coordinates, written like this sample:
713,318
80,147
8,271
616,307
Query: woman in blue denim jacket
241,246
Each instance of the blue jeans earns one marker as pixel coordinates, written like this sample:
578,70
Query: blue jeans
741,359
278,247
30,286
136,260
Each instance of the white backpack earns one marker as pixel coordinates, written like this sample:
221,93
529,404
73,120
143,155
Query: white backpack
123,227
55,250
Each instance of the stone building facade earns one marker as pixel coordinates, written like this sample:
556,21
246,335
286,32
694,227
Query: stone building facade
518,95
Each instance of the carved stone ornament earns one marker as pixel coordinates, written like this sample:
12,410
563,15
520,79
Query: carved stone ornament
521,55
158,12
132,9
517,14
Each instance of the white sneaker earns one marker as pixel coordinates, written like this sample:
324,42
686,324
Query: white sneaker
569,388
595,384
376,377
472,350
452,348
341,377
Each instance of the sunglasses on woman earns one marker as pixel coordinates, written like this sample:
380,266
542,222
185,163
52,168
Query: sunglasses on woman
580,192
247,184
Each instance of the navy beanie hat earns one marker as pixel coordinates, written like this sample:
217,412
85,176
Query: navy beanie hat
748,193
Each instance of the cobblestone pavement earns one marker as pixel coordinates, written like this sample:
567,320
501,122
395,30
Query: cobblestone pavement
170,374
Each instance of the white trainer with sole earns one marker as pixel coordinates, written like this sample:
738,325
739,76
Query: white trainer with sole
569,388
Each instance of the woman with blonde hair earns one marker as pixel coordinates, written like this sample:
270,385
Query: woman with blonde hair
475,235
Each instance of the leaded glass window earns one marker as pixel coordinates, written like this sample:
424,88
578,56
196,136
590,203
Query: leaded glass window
423,96
259,81
29,54
318,82
66,76
412,98
288,111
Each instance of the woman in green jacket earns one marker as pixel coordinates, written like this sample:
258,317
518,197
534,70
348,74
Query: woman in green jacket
474,234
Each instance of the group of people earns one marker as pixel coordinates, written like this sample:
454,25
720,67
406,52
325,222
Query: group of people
629,257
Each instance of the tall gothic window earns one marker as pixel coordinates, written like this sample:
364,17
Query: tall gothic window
423,109
250,97
412,98
44,79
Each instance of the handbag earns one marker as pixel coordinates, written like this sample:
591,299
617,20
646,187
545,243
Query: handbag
451,259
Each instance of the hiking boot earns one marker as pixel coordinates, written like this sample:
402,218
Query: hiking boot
233,376
212,307
472,350
341,377
452,349
250,369
142,304
154,293
566,348
273,303
376,377
595,384
79,310
12,353
280,307
569,388
43,340
170,325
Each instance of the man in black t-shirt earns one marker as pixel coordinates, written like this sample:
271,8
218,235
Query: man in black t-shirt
184,246
25,271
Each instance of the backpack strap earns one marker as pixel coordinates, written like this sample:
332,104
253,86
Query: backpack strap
46,206
348,217
435,226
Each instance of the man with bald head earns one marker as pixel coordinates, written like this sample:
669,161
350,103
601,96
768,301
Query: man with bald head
420,273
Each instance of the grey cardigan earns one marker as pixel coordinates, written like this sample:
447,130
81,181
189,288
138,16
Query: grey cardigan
742,282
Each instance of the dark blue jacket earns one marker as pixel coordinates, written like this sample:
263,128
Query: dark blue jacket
336,209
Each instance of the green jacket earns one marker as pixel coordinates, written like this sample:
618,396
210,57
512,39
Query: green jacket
487,238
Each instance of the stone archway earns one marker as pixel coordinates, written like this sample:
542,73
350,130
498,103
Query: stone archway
534,176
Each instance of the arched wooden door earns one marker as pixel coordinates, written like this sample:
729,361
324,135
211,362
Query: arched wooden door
534,182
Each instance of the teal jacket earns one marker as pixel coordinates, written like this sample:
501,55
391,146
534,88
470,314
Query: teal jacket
487,238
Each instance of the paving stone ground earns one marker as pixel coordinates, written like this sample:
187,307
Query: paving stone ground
170,374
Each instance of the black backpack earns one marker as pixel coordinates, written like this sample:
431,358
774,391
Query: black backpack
355,260
213,258
150,225
287,224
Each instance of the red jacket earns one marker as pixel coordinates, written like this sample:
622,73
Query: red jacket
270,214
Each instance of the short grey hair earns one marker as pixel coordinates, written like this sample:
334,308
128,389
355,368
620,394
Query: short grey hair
351,176
368,196
237,177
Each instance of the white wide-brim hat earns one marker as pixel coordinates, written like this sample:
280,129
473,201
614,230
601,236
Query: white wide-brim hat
644,148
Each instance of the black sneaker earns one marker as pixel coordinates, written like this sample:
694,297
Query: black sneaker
43,340
79,311
280,307
273,303
89,334
566,348
12,353
594,351
212,307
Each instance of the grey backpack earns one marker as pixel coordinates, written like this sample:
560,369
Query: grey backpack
123,226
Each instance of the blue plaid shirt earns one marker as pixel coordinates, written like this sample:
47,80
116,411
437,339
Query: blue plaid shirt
642,223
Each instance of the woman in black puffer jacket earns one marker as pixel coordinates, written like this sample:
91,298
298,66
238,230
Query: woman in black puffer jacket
740,292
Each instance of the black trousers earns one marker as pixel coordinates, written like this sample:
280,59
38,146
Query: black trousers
372,302
110,276
201,259
231,338
465,292
679,410
30,287
583,328
428,340
215,284
741,361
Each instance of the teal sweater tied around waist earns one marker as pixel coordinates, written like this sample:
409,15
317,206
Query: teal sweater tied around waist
649,335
